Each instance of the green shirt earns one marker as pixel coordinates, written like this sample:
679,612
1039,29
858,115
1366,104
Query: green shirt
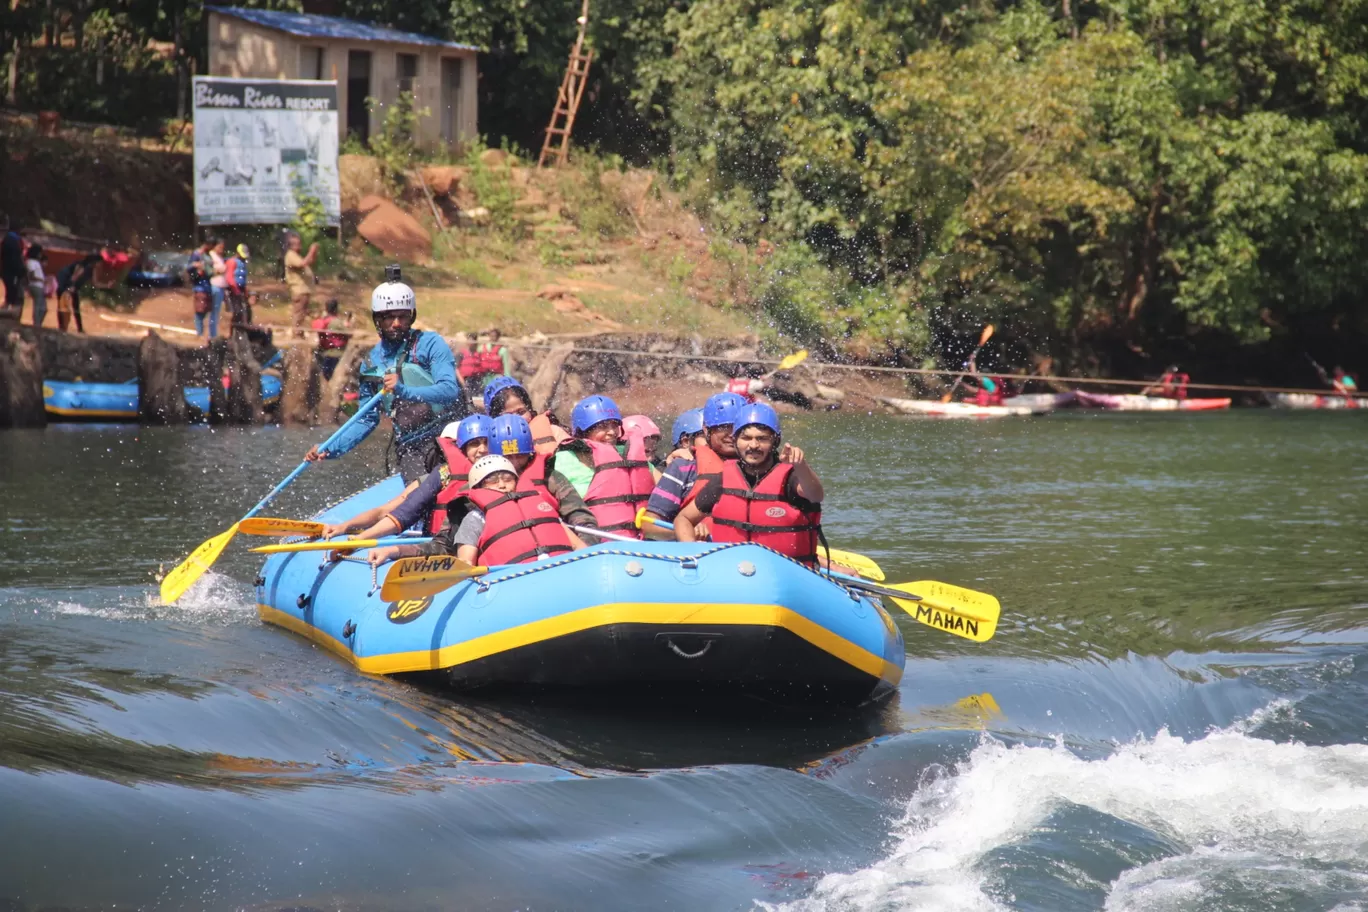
576,472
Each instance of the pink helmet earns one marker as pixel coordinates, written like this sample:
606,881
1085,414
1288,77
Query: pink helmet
640,424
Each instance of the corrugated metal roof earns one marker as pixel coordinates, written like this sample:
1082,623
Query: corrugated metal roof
308,25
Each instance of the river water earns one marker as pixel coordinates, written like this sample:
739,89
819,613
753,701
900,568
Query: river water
1172,716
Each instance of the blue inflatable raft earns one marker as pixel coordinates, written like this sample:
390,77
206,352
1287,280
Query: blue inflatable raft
646,615
80,401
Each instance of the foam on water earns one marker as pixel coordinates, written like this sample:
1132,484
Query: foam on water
1250,817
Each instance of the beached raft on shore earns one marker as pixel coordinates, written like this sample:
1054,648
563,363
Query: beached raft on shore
1134,403
1315,401
81,401
731,619
930,408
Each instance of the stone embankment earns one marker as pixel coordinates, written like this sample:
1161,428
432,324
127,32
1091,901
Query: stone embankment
653,373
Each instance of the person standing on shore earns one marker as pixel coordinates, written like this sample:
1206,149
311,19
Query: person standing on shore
489,360
71,279
330,341
37,282
12,269
235,272
218,284
417,372
201,271
299,279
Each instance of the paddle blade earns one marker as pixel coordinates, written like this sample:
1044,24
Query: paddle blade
267,525
792,361
986,335
862,565
175,583
416,577
341,544
953,609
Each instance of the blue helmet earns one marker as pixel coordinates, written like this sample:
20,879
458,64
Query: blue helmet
721,408
473,428
590,410
688,423
511,436
757,413
498,385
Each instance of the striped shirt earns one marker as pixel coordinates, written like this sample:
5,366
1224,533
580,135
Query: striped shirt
675,484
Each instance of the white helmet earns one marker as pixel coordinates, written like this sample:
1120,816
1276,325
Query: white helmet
488,465
391,296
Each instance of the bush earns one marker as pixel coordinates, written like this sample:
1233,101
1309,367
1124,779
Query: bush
396,146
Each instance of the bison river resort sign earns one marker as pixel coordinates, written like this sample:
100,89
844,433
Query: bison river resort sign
260,144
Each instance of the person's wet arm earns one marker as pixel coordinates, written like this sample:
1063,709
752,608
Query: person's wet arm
349,438
573,512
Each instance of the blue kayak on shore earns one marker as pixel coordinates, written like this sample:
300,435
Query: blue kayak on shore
81,401
729,618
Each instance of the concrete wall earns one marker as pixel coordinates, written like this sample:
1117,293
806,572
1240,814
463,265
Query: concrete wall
241,49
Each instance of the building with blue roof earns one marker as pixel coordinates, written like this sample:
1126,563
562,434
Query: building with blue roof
367,61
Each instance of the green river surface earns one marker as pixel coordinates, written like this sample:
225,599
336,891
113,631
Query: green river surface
1181,677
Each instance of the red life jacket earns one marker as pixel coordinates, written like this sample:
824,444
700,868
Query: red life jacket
545,435
487,360
621,485
987,397
1173,386
327,341
458,473
709,471
469,366
764,515
523,524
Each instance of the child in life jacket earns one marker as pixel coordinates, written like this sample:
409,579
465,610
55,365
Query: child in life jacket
506,396
508,522
768,494
681,471
611,473
650,439
462,442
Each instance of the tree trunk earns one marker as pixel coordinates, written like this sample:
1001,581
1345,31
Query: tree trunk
1147,257
12,90
179,55
546,381
161,397
298,392
21,380
352,356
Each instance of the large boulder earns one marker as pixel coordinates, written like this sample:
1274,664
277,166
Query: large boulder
360,176
393,231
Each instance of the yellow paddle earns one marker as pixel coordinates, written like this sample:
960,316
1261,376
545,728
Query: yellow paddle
270,525
983,340
342,544
417,577
862,565
184,574
952,609
792,361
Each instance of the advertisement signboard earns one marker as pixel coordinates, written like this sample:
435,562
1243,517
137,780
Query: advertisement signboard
259,142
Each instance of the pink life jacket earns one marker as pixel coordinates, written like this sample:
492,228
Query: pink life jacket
621,485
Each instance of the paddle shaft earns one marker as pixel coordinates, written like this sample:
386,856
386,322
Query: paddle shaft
343,544
983,340
361,412
601,534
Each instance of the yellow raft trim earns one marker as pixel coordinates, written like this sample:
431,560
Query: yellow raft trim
589,618
88,413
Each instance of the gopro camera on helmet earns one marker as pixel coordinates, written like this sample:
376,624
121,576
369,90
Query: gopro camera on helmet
393,273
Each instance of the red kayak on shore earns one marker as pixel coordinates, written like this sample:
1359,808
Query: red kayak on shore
1132,403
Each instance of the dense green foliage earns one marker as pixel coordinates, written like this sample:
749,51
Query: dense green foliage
1156,170
1104,180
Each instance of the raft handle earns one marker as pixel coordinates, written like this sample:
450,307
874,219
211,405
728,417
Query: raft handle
302,602
259,582
348,629
708,640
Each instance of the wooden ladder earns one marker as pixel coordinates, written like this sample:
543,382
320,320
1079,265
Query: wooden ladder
556,145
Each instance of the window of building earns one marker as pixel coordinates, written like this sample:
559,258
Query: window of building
311,63
406,65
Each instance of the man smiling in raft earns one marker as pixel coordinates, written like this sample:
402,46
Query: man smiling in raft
768,495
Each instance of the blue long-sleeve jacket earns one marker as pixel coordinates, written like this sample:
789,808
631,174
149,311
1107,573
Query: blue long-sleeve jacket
445,396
